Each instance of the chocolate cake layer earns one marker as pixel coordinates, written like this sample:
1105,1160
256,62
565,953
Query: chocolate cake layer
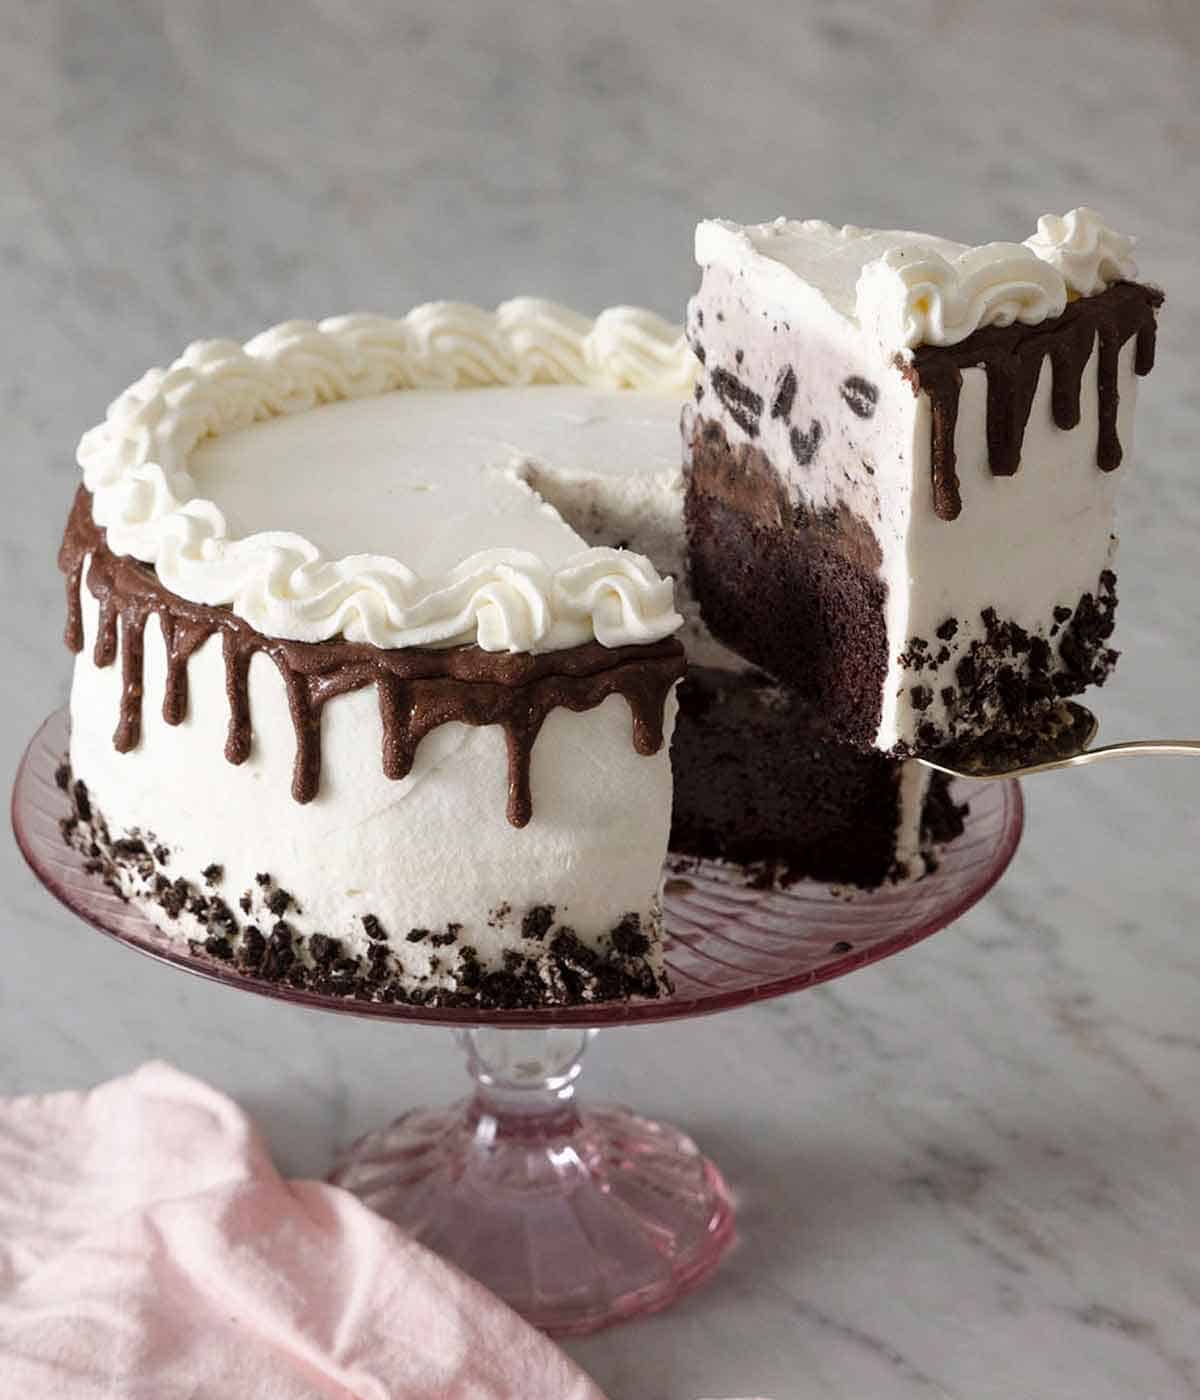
796,591
760,782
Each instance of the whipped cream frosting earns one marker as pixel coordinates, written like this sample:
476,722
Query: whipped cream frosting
1084,250
510,596
906,289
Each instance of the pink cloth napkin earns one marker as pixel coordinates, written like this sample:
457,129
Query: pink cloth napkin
149,1250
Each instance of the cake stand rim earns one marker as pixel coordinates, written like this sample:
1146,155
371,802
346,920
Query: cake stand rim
605,1015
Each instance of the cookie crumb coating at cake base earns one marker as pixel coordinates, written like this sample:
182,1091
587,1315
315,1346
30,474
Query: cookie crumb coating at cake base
1006,678
545,963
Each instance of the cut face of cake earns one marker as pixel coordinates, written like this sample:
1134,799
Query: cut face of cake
902,466
760,784
355,707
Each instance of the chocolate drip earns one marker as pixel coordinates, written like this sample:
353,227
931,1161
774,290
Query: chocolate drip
943,383
417,690
519,733
1068,355
1147,337
73,631
395,714
104,652
1011,357
306,721
237,692
133,637
181,638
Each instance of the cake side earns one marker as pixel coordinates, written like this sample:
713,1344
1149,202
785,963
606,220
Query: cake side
386,825
1011,542
923,535
438,771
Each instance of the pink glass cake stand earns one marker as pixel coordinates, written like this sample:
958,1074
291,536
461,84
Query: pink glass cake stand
576,1217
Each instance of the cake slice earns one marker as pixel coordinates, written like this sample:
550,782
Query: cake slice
354,707
902,464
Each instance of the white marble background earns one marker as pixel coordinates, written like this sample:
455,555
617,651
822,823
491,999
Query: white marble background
971,1172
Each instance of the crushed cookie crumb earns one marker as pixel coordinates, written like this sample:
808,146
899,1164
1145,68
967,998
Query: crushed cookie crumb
279,902
537,921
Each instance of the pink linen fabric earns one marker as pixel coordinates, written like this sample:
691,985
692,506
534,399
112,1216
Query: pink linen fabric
149,1250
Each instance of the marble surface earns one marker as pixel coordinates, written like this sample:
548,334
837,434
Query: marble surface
970,1172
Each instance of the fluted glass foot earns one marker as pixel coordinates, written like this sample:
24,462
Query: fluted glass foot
577,1219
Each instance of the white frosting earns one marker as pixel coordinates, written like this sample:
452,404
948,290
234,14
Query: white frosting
912,850
915,296
433,847
1023,544
904,289
1084,250
495,586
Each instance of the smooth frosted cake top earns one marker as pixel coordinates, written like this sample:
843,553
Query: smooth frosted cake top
288,480
906,289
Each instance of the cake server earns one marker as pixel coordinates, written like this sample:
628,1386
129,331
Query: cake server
1066,745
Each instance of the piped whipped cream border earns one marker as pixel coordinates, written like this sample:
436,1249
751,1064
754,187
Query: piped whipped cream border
913,294
135,464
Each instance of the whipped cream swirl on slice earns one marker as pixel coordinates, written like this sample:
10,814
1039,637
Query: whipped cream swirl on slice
915,294
1084,250
135,464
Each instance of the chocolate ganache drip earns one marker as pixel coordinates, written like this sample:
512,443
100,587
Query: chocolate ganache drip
1011,357
418,689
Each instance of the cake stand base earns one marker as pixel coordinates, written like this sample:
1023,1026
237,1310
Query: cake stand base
576,1218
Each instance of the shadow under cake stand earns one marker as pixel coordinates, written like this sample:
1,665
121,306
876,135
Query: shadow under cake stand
577,1217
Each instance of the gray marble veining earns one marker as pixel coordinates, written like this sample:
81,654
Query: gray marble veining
967,1173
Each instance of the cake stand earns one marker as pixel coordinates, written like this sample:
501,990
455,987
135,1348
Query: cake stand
577,1217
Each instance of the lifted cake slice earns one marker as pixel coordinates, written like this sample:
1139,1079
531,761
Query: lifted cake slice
902,461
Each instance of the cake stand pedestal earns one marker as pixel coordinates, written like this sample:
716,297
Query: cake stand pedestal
577,1217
